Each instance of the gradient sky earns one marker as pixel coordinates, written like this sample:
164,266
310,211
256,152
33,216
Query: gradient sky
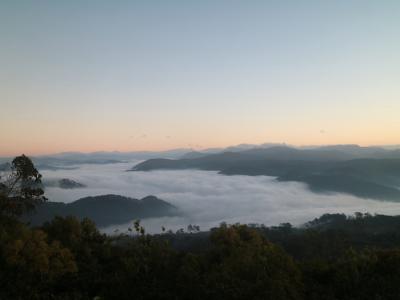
135,75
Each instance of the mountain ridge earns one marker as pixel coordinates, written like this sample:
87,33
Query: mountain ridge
324,171
104,210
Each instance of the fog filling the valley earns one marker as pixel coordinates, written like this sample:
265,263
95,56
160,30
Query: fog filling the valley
208,198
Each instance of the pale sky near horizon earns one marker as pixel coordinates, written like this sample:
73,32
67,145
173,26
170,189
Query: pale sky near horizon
151,75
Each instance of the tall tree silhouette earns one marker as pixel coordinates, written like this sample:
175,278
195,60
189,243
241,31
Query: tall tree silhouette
20,188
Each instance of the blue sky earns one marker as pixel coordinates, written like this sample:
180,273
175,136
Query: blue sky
134,75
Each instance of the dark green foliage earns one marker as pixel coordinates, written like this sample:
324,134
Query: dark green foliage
357,275
20,189
242,264
333,257
31,266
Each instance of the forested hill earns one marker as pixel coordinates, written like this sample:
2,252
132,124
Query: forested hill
103,210
332,258
323,170
328,236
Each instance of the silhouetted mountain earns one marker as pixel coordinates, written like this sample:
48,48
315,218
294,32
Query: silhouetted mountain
63,183
193,154
104,210
66,183
226,159
72,160
317,153
324,170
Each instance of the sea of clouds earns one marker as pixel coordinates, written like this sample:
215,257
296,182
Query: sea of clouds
207,198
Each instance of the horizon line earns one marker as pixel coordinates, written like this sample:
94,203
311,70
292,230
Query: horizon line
200,149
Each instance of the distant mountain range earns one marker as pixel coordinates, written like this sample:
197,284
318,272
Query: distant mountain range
71,160
104,210
284,152
368,172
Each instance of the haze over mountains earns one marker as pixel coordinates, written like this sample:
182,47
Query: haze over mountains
286,152
369,172
206,198
329,172
70,160
335,152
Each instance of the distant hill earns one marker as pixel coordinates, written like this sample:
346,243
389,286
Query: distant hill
69,160
104,210
66,183
318,153
63,183
223,160
193,154
72,160
324,169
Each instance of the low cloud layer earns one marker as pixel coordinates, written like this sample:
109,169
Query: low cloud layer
207,198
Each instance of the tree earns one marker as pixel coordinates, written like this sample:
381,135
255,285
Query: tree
20,188
242,264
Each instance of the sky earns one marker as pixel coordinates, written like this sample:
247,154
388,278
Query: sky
154,75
